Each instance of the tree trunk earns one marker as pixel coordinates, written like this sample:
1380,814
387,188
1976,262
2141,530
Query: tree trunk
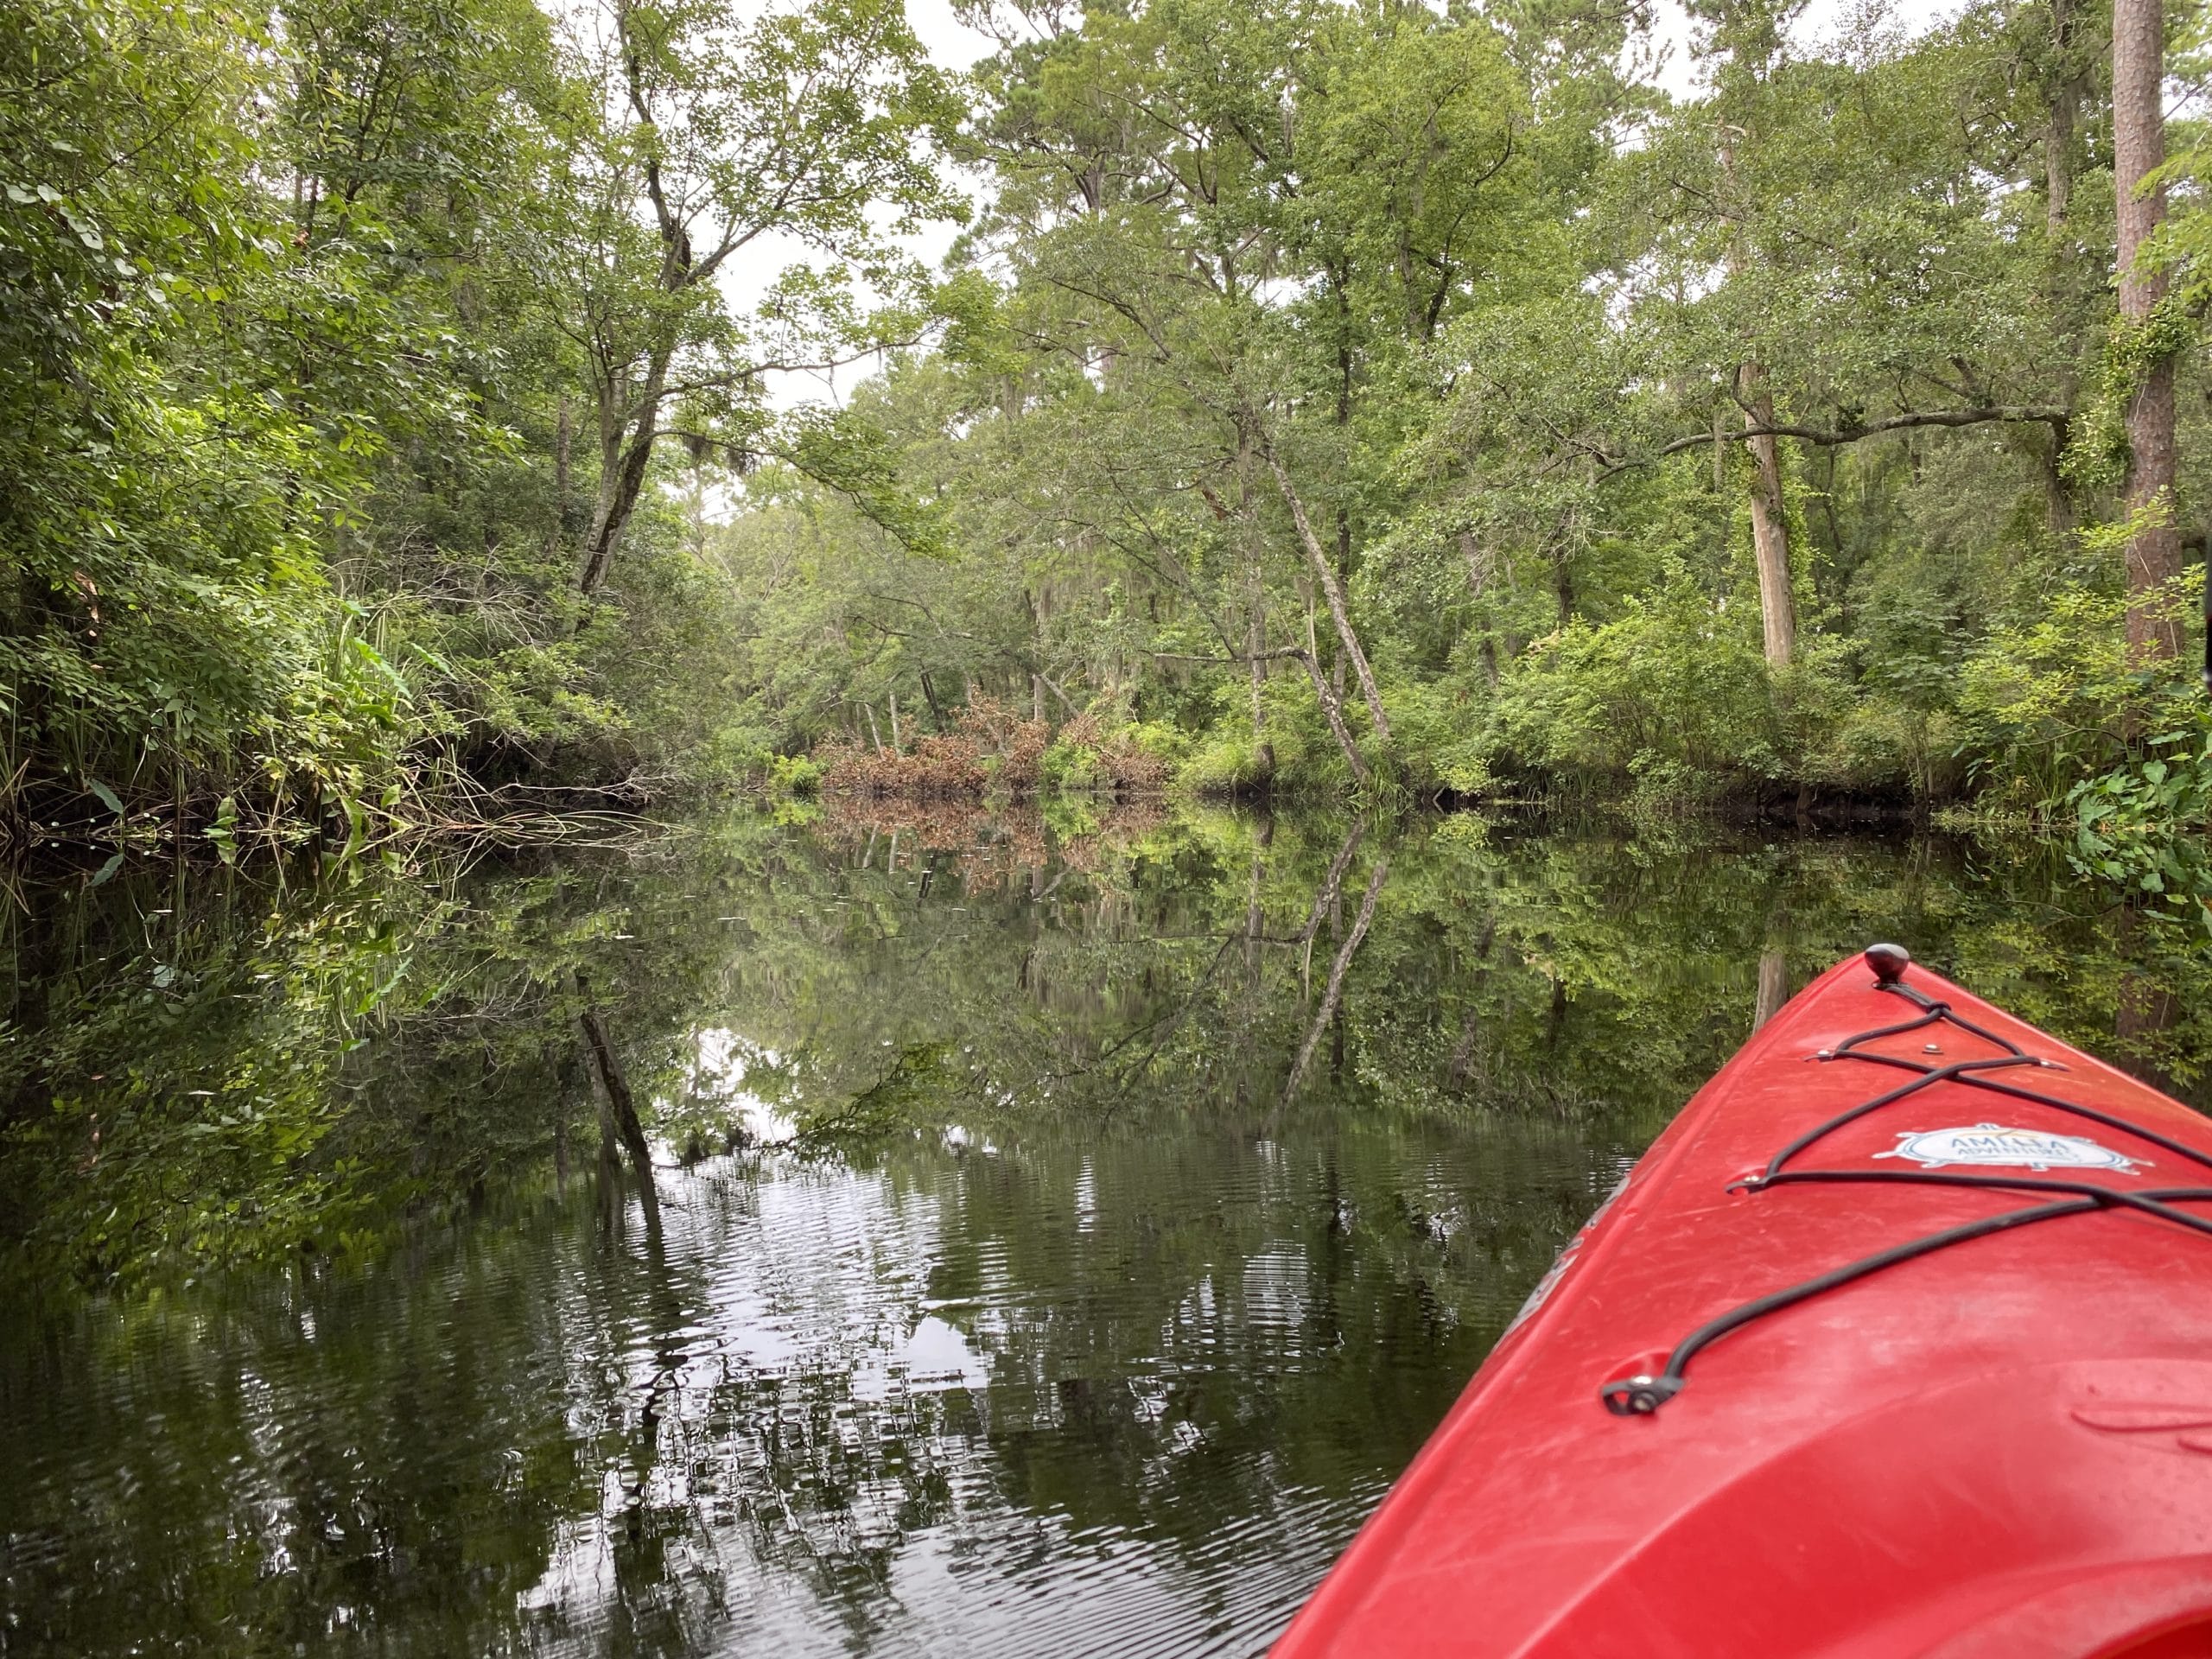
1479,570
626,449
1333,708
1332,591
1770,532
1332,998
1332,711
1255,643
2067,281
628,427
1770,528
561,509
1477,563
621,1105
2058,128
2138,145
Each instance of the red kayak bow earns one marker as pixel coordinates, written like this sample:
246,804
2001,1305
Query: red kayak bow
1897,1342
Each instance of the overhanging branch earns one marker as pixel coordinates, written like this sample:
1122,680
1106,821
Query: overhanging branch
2018,414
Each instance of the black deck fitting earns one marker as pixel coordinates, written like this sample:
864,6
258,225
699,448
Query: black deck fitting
1888,962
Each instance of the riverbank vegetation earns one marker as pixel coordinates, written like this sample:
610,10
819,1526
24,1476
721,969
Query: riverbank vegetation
1365,399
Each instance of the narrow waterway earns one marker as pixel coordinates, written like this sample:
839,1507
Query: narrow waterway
1056,1234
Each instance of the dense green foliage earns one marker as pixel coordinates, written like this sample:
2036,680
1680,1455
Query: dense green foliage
1450,315
1325,394
334,342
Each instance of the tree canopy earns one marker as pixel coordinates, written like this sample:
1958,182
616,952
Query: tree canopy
1322,395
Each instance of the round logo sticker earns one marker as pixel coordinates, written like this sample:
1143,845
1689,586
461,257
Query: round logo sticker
1993,1143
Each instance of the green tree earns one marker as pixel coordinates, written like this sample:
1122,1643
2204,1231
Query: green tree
806,126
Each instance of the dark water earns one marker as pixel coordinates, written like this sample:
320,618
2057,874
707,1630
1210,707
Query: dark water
1056,1235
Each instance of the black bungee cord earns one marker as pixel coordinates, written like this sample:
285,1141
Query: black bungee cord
1641,1396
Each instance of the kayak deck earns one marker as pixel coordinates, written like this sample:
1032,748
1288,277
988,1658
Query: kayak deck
1907,1345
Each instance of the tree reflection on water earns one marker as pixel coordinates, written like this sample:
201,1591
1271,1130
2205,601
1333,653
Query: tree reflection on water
1051,1236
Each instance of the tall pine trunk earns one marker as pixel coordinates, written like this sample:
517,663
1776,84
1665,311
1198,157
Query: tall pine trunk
2138,145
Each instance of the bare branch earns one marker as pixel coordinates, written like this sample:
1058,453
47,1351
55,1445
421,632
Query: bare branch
2025,414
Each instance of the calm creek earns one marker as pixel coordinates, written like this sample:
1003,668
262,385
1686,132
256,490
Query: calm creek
1059,1230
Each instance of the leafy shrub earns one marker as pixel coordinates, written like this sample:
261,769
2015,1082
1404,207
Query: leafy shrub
1673,697
2045,703
2144,825
995,747
1014,743
794,774
1087,755
1226,761
1442,728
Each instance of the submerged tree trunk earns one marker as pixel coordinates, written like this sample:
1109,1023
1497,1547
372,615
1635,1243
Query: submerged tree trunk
2147,1007
1463,1051
1774,985
2139,146
1327,898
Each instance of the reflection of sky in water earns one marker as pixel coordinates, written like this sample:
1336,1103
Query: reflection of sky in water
807,1383
720,1059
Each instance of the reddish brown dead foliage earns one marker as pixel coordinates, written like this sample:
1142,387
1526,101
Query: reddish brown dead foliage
989,849
992,745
